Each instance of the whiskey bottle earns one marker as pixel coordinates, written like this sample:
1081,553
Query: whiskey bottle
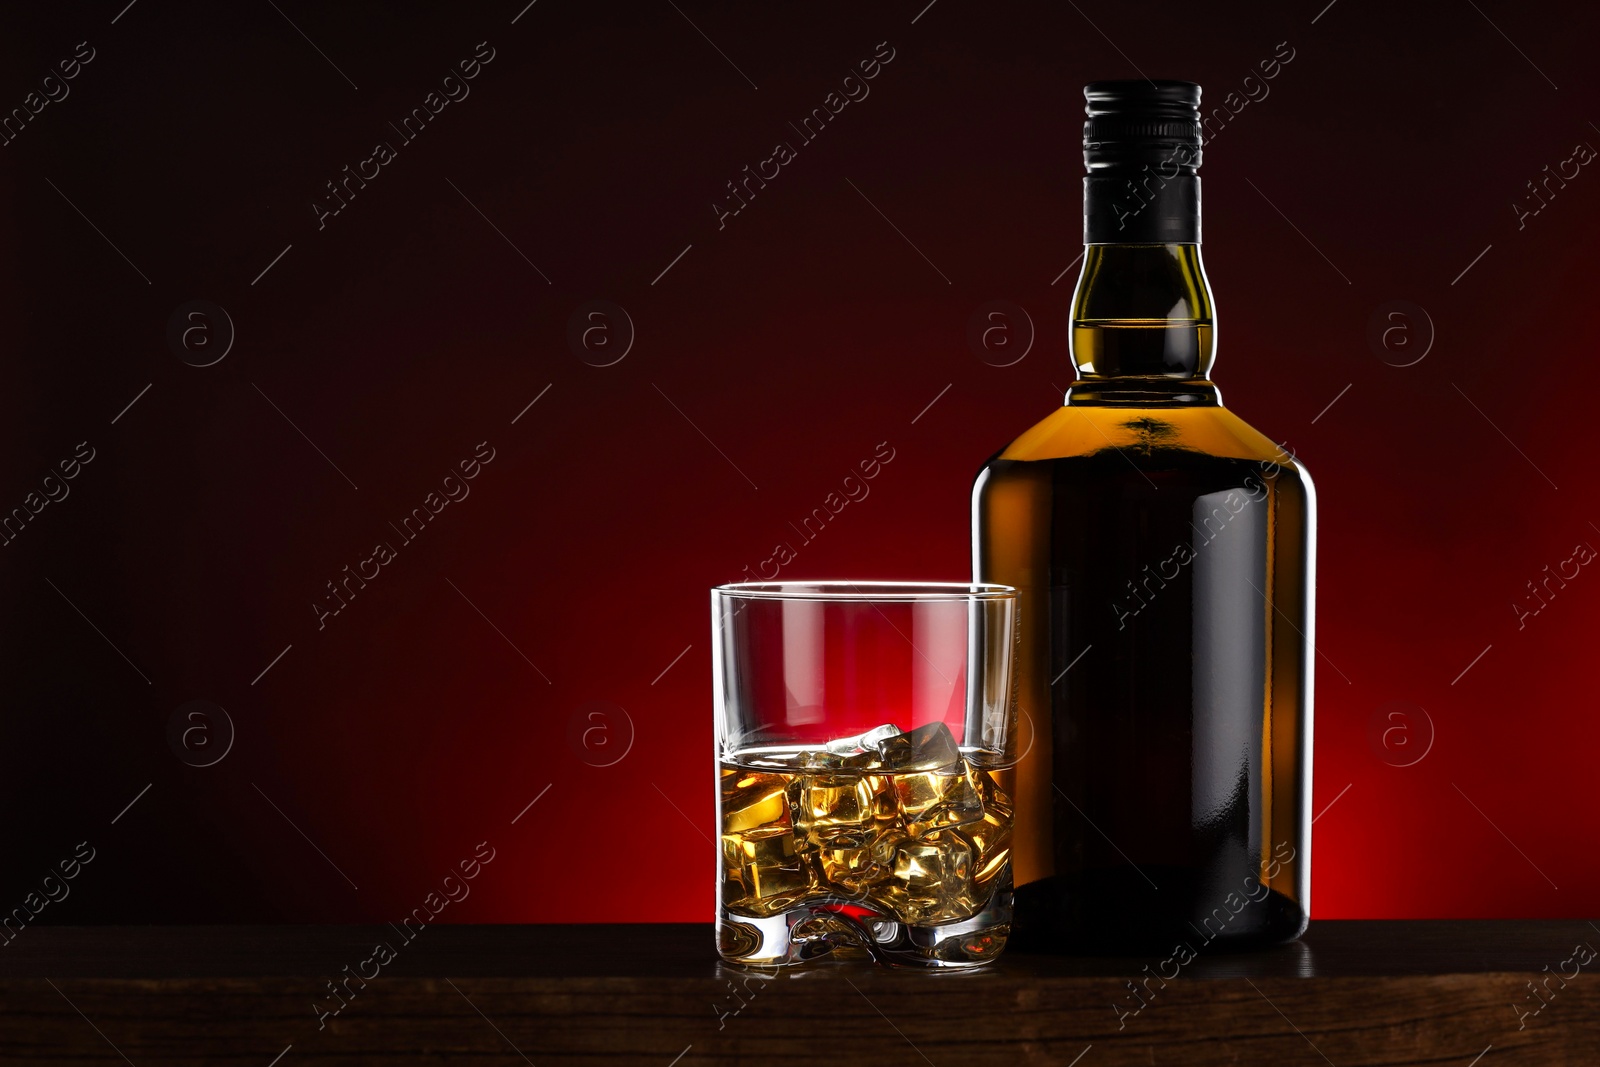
1164,553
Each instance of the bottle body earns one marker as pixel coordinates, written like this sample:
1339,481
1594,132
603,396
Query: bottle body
1163,551
1164,554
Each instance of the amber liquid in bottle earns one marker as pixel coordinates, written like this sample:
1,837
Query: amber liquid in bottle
1163,551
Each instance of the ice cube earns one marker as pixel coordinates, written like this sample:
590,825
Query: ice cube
751,799
853,871
762,872
819,761
886,845
991,845
930,878
838,818
935,800
995,797
991,835
838,761
839,810
929,747
873,750
849,746
893,750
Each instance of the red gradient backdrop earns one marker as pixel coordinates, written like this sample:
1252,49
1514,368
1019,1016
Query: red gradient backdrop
772,354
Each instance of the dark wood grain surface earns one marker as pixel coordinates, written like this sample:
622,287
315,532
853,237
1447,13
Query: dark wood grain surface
1349,993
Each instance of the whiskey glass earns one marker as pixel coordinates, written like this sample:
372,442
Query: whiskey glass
866,751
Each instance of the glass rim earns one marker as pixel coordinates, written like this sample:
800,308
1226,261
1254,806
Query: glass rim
840,590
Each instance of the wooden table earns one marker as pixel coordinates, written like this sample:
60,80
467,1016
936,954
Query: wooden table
1349,993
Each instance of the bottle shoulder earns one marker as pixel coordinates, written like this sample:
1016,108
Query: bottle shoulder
1085,429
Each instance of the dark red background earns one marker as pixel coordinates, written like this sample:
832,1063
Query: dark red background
797,338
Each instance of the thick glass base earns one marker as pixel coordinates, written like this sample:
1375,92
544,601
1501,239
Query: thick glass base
848,929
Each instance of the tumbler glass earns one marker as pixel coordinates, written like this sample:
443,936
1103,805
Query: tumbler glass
866,752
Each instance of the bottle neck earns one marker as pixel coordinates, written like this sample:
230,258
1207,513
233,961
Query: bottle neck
1143,325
